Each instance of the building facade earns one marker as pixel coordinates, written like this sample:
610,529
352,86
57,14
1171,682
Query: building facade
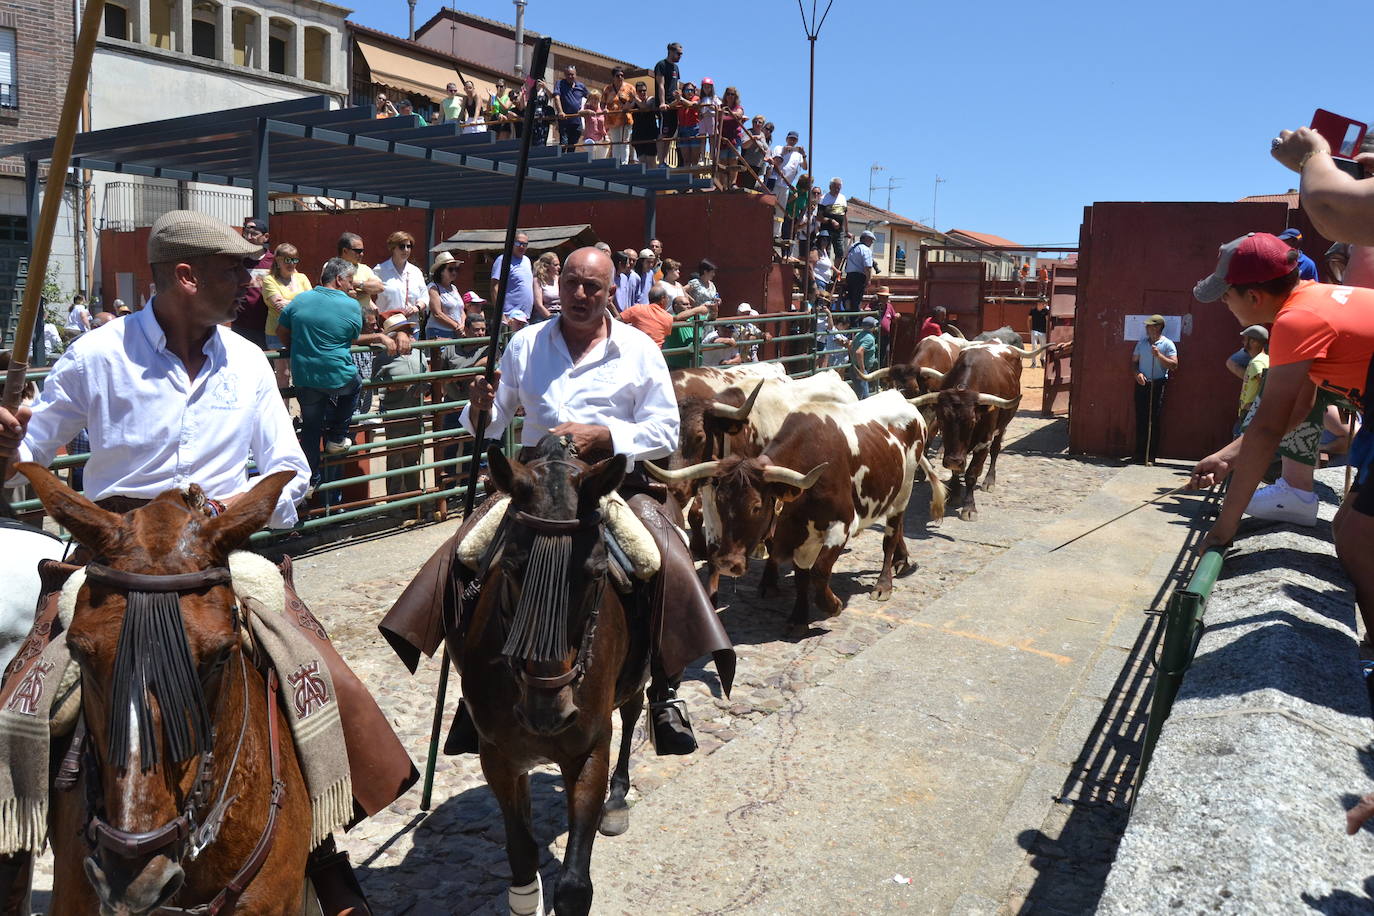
36,39
897,239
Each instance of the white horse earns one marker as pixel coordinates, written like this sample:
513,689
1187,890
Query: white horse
21,547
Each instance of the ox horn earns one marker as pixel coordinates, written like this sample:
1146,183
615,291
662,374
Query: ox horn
741,413
680,475
994,401
928,398
954,330
776,474
873,376
932,374
1024,353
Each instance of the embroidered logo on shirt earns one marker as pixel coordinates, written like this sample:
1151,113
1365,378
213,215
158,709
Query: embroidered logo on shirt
310,694
225,394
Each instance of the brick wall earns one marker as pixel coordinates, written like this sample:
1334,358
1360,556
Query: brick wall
44,34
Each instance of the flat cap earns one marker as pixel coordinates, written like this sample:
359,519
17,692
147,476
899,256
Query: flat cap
181,235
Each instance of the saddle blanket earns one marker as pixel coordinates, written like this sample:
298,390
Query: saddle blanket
632,544
46,703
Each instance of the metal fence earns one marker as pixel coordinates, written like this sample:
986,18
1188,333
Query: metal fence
131,205
407,461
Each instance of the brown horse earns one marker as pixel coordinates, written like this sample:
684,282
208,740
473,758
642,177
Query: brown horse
189,795
549,653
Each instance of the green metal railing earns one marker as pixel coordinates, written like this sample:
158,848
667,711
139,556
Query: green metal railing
795,346
1183,627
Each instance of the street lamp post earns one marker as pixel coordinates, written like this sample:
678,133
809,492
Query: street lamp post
934,201
812,27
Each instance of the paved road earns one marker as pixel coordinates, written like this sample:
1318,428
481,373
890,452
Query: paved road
901,737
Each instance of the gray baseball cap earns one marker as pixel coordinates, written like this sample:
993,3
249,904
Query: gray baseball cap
1256,332
182,235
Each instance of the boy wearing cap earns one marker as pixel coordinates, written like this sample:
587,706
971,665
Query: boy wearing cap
1321,337
1153,358
1253,341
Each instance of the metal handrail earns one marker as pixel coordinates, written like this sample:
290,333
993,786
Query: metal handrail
432,437
1183,628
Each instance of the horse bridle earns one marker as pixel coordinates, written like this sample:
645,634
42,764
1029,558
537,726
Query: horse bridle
564,528
186,835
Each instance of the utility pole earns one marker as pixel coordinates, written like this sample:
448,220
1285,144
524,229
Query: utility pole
934,200
873,169
412,18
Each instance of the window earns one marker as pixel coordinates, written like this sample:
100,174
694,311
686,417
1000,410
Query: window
203,39
245,38
9,70
160,24
116,22
279,47
316,55
879,242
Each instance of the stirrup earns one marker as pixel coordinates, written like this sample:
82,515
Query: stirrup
336,886
680,738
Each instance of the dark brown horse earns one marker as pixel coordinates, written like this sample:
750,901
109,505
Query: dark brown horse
549,653
189,794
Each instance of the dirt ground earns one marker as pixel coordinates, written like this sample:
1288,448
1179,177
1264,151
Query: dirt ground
451,860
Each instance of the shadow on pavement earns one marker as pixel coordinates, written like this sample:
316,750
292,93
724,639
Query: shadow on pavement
1094,803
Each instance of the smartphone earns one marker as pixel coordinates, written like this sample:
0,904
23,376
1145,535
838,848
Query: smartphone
1344,135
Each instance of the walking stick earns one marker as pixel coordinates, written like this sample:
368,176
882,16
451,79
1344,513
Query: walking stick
91,23
479,418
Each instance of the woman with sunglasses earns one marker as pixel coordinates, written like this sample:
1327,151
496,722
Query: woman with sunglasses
731,138
403,284
282,284
644,126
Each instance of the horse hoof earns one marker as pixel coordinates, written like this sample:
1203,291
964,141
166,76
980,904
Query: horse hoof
880,593
799,631
968,515
614,821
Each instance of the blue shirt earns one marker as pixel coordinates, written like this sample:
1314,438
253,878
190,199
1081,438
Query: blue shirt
520,292
1145,360
323,323
625,286
859,259
1307,268
571,96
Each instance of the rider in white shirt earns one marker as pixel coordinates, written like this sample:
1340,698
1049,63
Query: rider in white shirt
604,385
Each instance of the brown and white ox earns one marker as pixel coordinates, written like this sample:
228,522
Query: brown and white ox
729,421
976,401
933,357
830,472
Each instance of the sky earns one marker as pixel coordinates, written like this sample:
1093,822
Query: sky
1027,112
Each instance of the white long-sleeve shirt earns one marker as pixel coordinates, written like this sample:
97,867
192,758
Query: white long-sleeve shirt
153,428
622,383
403,290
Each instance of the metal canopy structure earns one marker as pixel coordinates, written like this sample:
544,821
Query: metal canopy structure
303,147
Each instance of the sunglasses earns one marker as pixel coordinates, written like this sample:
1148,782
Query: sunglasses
405,245
291,260
522,244
356,250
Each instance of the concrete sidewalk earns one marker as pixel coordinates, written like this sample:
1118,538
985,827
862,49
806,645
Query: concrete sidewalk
929,771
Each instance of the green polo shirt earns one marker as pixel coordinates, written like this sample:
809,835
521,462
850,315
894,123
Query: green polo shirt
323,324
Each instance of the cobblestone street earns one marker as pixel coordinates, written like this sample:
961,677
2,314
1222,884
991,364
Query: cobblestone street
452,860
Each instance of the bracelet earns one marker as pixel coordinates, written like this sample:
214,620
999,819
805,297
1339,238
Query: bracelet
1302,163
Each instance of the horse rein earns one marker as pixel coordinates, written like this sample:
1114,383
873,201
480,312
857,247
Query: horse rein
188,836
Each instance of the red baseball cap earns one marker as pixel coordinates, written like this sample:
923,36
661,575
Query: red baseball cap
1255,257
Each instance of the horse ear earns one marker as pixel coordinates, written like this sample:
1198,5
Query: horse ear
503,470
248,513
602,478
92,526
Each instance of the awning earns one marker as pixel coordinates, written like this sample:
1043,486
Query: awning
542,238
409,74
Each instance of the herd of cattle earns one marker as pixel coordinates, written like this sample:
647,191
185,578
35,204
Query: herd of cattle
796,467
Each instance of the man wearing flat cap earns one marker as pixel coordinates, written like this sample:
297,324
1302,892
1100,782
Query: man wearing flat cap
1153,358
171,397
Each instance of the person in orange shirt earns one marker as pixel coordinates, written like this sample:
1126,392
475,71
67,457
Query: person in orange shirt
1322,336
617,98
653,317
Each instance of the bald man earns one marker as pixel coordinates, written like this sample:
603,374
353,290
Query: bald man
605,385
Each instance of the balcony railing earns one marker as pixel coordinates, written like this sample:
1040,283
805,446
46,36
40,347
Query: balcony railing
131,205
9,95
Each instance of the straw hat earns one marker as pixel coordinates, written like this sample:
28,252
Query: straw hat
442,258
395,320
882,291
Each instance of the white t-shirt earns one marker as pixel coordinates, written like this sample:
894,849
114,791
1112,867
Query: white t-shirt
403,290
520,292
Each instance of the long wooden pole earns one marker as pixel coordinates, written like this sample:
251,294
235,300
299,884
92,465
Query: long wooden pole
479,419
42,234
